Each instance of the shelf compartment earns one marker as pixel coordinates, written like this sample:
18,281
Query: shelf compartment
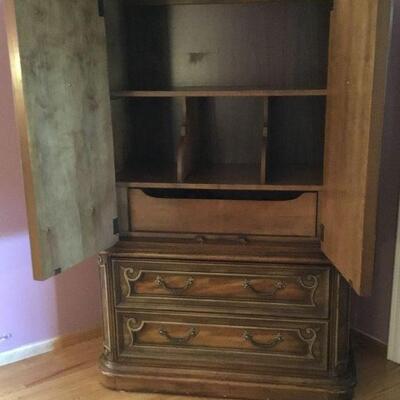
143,175
152,212
208,45
226,136
151,140
218,92
295,144
220,174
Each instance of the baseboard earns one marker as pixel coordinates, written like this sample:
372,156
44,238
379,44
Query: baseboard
35,349
362,339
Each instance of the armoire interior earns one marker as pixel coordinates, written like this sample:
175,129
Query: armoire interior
213,97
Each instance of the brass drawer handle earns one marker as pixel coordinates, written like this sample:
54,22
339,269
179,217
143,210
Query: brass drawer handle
160,281
179,340
269,345
279,285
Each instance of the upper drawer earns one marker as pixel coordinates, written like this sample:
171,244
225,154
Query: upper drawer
301,291
174,212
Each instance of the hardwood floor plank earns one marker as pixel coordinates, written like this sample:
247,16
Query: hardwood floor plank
72,374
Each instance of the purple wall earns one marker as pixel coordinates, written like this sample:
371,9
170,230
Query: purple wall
32,311
371,315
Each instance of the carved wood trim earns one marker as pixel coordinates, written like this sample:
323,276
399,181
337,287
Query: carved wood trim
134,326
310,282
308,336
131,275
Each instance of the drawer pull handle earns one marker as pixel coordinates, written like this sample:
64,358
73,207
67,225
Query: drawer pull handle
269,345
179,340
160,282
279,285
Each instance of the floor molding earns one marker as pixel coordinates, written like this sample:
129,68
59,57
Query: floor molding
364,340
35,349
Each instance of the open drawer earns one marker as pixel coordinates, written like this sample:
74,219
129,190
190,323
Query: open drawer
236,213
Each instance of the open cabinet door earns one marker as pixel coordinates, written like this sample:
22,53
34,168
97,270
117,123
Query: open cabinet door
58,63
359,44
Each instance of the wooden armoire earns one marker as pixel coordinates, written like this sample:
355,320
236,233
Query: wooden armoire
222,157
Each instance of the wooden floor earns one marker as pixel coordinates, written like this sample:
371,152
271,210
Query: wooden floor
71,374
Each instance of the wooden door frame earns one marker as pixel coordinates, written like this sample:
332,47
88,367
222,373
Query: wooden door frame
394,327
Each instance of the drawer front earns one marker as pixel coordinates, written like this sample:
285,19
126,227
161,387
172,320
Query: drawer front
301,291
201,340
292,217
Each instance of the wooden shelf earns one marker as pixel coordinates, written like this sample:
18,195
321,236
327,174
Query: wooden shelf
216,177
218,92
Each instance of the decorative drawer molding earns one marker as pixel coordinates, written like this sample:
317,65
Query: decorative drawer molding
201,339
297,290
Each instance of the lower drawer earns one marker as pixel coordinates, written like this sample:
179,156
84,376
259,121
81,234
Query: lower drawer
204,340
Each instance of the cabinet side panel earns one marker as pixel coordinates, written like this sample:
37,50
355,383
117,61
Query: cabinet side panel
58,61
360,32
107,299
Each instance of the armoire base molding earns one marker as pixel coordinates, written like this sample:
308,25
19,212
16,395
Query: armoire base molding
225,384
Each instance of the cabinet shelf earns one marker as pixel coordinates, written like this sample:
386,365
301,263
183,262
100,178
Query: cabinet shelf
215,177
187,2
218,92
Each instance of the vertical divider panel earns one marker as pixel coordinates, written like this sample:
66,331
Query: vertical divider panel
264,141
187,141
182,164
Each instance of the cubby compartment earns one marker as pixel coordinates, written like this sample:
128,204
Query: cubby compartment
225,135
225,94
149,134
295,140
221,212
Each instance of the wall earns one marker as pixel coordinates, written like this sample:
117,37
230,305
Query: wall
32,311
371,315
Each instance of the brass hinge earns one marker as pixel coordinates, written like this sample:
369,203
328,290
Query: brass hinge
101,7
322,232
116,226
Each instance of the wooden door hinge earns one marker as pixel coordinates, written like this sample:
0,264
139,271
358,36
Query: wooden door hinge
101,7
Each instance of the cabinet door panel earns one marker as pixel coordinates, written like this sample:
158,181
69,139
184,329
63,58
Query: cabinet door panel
58,62
360,32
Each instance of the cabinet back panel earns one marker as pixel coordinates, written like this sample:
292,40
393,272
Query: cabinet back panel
154,130
230,130
281,44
